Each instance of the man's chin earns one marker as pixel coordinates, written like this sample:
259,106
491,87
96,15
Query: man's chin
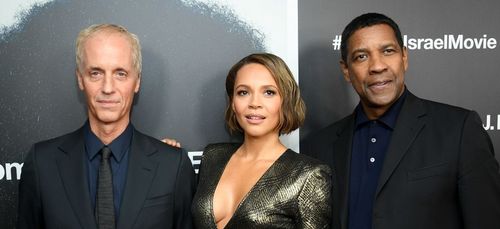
107,119
381,102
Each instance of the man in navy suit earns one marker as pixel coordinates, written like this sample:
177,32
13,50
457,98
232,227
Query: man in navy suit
68,182
400,161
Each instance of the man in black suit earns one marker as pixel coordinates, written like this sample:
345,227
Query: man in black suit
400,161
106,174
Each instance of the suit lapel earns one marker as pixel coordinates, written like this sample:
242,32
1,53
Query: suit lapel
72,170
342,161
409,124
140,174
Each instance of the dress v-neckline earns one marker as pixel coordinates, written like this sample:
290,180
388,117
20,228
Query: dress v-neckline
243,200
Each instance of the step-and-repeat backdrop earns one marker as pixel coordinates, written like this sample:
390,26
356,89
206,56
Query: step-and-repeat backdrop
189,45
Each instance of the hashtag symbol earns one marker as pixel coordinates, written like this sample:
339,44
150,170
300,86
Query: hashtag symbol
336,42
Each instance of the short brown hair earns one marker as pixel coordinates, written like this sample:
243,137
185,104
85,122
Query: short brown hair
292,112
93,29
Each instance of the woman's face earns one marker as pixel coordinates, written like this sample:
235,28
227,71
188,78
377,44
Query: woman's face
256,101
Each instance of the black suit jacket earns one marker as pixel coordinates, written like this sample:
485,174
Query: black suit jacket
439,171
54,192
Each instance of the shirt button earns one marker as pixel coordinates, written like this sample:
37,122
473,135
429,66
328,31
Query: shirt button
374,140
372,159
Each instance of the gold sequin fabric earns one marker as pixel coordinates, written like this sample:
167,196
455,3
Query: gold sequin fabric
294,192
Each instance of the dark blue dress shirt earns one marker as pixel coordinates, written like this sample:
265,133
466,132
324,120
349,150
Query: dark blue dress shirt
119,163
369,146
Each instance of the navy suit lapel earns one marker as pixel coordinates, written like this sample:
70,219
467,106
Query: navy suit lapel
140,174
72,171
409,124
342,161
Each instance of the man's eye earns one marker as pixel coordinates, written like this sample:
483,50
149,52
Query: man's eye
121,74
95,74
389,51
361,57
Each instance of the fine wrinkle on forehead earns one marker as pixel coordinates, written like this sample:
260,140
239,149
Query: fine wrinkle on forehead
105,34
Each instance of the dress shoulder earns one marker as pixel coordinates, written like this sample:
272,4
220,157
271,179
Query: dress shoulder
215,149
310,164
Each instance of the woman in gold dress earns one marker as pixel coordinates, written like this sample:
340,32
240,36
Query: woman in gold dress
260,183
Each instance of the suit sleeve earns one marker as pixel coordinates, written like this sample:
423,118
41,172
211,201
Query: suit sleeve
29,206
479,179
314,199
185,185
306,148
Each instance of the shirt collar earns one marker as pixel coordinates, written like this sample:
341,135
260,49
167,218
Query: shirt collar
118,146
389,118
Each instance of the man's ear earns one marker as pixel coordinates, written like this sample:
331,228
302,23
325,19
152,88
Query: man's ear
345,70
138,83
405,57
79,79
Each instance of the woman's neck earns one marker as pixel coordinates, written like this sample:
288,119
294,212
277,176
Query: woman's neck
263,148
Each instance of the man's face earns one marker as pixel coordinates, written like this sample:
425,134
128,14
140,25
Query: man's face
108,78
375,66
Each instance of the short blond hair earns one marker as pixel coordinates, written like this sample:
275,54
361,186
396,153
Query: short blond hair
93,29
293,109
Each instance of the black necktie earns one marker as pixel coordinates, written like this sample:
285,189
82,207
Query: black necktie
105,211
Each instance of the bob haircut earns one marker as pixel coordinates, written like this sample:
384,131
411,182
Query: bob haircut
84,35
292,112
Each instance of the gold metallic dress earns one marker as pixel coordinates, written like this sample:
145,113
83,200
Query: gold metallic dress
293,193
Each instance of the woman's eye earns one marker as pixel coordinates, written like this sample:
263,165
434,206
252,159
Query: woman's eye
269,92
241,93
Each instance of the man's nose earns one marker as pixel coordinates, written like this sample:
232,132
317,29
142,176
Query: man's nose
377,64
108,84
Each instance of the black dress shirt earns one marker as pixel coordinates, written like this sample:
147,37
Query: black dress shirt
370,142
119,163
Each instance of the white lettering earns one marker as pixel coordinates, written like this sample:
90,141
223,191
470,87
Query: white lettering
492,43
498,122
489,125
456,44
468,43
429,43
488,122
480,42
2,172
450,41
8,168
195,157
438,43
6,171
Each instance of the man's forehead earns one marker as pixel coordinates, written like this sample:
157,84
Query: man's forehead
98,50
380,34
105,35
